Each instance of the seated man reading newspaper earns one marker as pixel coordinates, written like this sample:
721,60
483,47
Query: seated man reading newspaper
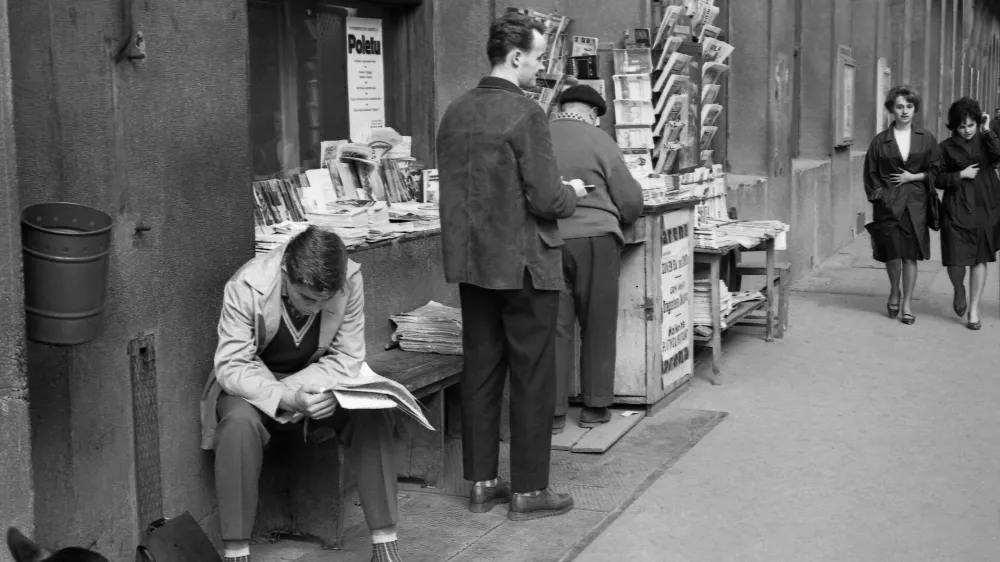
291,337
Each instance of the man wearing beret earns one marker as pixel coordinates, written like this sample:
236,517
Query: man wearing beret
592,252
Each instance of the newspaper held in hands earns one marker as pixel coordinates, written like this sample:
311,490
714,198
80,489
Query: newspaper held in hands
369,391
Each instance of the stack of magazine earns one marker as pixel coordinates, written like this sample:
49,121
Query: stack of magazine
432,328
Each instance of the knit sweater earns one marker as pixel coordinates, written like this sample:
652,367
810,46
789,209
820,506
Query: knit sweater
587,153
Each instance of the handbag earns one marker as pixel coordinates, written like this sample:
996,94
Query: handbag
179,539
933,210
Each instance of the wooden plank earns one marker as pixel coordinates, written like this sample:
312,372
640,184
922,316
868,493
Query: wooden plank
631,356
571,433
601,438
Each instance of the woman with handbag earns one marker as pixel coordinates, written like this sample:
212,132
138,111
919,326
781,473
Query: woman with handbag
900,167
971,204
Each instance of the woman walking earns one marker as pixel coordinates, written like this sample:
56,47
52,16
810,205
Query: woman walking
900,168
970,204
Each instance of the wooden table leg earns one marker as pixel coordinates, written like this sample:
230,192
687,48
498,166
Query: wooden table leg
769,330
716,312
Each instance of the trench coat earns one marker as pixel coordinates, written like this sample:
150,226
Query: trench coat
889,202
970,208
250,318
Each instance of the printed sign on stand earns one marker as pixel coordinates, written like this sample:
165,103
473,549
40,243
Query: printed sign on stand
676,284
365,76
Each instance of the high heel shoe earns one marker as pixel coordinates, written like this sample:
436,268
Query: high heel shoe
909,319
893,311
974,325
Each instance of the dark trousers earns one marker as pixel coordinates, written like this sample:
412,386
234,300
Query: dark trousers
591,267
515,330
243,433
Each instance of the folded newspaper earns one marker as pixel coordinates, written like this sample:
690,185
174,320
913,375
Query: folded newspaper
369,391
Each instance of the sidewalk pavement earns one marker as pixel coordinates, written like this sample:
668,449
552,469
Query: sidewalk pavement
856,438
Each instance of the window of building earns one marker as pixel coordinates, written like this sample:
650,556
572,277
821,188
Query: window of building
298,76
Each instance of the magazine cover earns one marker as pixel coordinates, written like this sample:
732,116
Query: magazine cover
633,61
712,72
707,134
639,162
634,112
713,50
670,47
709,113
670,16
584,46
634,137
633,87
708,93
676,85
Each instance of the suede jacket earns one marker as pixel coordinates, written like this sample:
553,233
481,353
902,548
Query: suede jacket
500,190
251,316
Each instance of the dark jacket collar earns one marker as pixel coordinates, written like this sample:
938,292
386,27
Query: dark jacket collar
891,137
500,84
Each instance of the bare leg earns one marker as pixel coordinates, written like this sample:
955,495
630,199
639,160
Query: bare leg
957,275
895,269
909,282
977,283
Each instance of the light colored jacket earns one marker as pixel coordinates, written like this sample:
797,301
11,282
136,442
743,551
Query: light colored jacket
251,316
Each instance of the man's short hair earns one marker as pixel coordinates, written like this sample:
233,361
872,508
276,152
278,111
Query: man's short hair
317,259
511,31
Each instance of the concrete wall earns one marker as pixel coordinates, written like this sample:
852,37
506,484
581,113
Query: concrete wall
163,143
16,494
824,195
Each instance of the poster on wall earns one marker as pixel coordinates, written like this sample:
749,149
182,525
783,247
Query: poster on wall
365,76
676,278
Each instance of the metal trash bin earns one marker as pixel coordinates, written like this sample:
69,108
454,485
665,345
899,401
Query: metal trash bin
65,248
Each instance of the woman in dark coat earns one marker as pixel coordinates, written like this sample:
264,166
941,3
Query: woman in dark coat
971,203
900,167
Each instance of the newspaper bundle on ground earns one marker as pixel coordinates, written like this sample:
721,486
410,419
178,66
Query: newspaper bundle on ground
370,391
432,328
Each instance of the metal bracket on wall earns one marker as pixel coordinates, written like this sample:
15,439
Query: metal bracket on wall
650,309
146,429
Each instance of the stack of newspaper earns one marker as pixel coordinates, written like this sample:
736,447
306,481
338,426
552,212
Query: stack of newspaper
432,328
702,302
718,233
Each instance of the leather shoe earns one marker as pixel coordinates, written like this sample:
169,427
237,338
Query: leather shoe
558,424
482,498
593,417
546,504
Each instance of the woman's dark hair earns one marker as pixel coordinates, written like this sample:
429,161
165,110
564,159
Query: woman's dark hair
964,107
908,93
511,31
317,259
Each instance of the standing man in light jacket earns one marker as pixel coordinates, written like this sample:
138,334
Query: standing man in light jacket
292,326
500,198
592,253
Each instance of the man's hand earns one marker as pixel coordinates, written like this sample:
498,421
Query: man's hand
578,186
986,123
311,401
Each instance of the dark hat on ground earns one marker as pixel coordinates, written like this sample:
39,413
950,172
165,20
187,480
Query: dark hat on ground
584,94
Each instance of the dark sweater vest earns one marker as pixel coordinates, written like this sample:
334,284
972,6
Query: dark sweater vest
282,356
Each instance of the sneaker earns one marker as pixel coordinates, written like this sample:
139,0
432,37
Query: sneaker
482,498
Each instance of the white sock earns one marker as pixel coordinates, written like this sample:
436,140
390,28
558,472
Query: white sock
380,536
489,483
237,552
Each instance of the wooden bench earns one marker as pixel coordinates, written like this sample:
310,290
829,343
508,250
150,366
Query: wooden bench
304,487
